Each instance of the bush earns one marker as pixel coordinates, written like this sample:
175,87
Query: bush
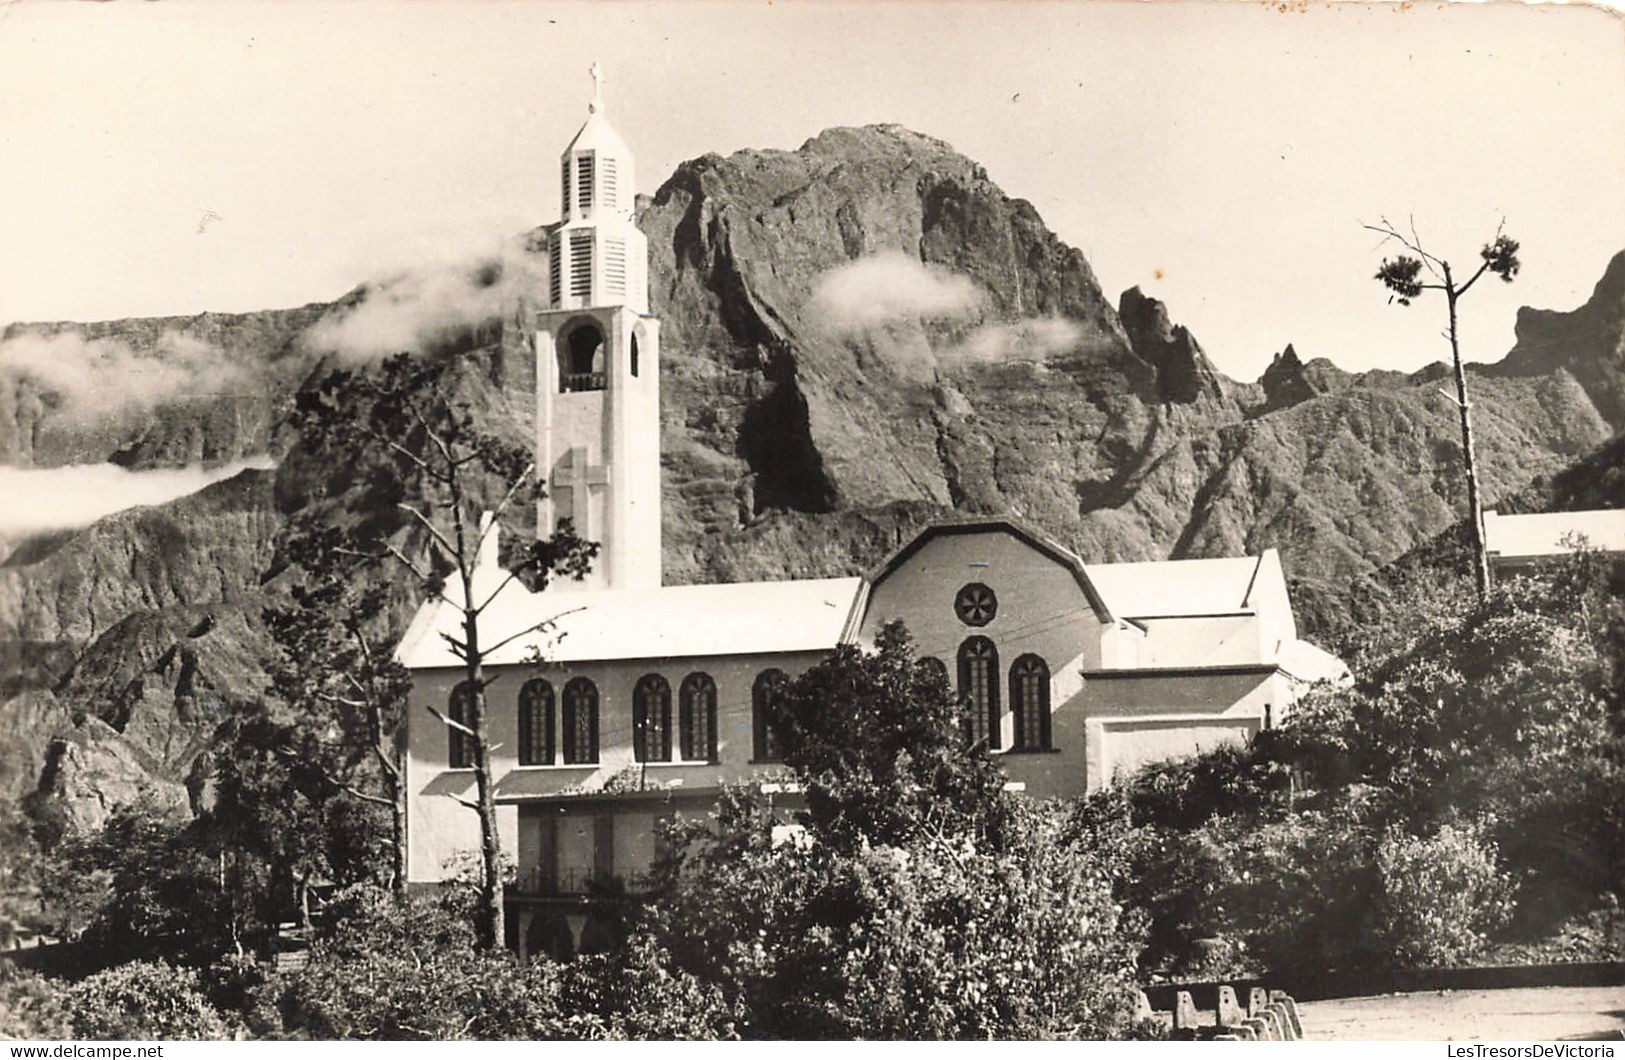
385,969
943,937
31,1006
143,1000
1441,896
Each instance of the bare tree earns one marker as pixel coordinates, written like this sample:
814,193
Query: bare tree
405,413
1403,277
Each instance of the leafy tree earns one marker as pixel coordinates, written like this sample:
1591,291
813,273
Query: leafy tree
1403,277
1488,734
407,413
338,674
149,886
875,741
921,901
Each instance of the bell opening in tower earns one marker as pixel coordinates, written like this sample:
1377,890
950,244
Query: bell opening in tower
581,358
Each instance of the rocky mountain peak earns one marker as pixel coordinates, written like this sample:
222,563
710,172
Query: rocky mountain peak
1184,373
1588,341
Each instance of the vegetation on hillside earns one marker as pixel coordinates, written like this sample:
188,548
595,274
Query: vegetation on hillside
1463,799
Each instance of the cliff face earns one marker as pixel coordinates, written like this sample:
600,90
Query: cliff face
1588,342
858,336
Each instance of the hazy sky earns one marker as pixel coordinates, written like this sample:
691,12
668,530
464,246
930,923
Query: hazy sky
170,158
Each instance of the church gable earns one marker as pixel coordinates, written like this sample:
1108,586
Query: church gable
1009,616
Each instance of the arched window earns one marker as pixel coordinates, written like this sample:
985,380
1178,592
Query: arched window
580,722
536,723
1029,701
581,358
932,668
697,718
460,745
979,691
651,719
634,356
766,696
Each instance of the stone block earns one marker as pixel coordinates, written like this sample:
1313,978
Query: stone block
1258,1000
1230,1013
1260,1027
1288,1032
1185,1018
1284,999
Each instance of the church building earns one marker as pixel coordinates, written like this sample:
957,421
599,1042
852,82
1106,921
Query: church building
651,697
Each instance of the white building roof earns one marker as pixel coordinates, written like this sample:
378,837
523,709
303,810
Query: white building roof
1527,536
1308,663
1176,588
681,621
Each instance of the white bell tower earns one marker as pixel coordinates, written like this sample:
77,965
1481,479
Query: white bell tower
598,366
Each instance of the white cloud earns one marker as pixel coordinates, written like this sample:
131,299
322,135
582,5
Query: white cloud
412,309
1033,339
881,289
40,500
96,377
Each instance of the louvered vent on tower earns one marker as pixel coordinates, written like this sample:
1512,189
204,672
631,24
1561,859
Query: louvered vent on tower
584,180
609,182
564,185
555,268
581,265
615,268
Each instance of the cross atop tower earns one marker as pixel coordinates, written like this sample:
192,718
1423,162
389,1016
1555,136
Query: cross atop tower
597,103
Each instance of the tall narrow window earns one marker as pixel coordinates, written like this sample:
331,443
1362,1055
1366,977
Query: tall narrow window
536,723
651,719
580,722
581,264
584,181
697,718
634,357
766,697
979,691
1029,701
460,745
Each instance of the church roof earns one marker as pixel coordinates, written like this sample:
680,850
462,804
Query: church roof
597,134
679,621
1028,535
1179,588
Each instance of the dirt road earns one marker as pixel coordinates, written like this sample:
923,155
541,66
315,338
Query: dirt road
1539,1014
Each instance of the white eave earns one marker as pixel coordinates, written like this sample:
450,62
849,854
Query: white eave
685,621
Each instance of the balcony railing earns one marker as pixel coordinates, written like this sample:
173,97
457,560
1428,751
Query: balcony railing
583,883
570,382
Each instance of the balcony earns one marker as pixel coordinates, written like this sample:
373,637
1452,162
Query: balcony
582,883
571,382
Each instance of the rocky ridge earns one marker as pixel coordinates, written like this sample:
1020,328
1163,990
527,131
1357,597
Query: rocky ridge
791,446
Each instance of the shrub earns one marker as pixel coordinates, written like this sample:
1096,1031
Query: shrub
143,1000
31,1006
1441,895
943,937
